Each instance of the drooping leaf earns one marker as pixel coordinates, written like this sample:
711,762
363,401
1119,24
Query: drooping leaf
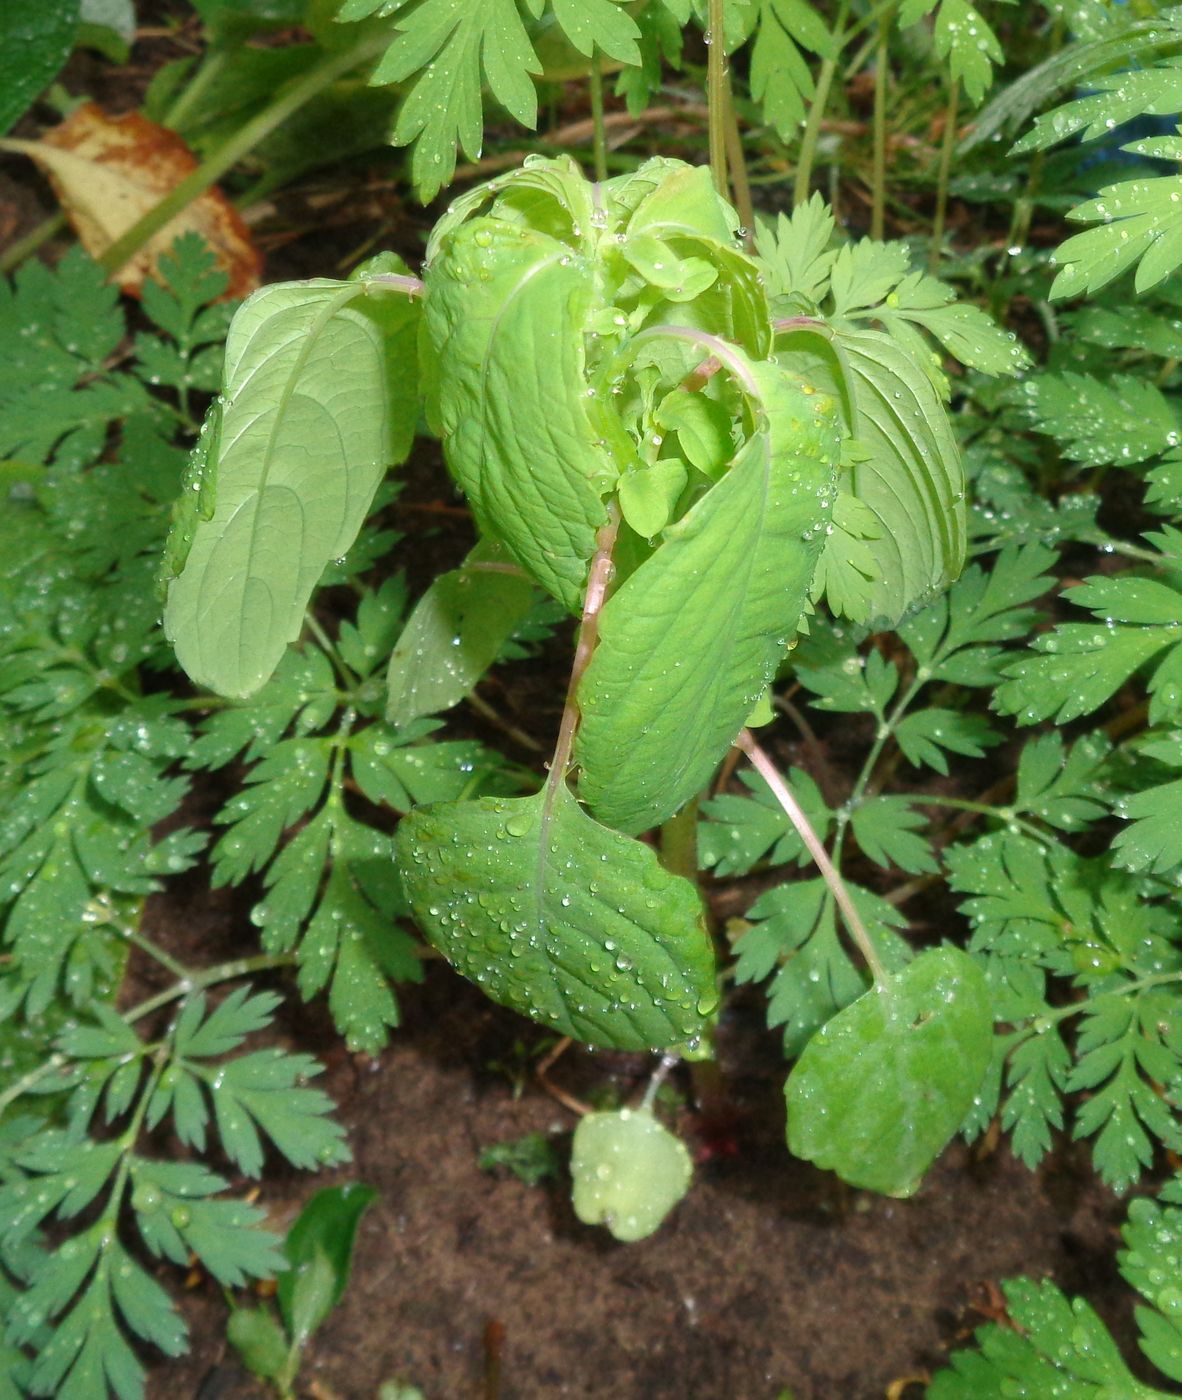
884,1085
715,606
561,919
301,452
327,1224
454,633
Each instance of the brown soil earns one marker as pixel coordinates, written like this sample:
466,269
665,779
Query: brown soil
770,1278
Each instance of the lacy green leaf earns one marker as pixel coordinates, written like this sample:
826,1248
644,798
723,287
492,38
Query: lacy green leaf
561,919
884,1085
300,454
715,606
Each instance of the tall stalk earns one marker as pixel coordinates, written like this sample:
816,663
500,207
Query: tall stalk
812,129
878,172
716,93
598,129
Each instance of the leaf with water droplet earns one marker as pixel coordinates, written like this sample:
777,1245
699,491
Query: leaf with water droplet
503,888
882,1087
627,1172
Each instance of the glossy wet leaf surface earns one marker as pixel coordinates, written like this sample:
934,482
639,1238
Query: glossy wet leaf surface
882,1087
561,919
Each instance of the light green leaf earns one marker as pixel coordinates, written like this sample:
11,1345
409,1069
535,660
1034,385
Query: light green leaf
259,1341
884,1085
1141,224
522,445
302,449
453,635
1119,420
561,919
628,1172
911,477
715,607
599,24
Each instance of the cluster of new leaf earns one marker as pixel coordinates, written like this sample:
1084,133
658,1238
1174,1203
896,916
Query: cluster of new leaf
858,321
74,1312
1055,1346
87,760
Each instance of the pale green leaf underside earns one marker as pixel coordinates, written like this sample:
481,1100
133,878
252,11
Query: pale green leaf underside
691,640
911,483
319,400
561,919
505,317
627,1172
884,1085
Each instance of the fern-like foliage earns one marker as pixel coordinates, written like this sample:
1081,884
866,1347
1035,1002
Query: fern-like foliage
82,1304
1055,1346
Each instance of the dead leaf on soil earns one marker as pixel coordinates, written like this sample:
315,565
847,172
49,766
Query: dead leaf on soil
109,171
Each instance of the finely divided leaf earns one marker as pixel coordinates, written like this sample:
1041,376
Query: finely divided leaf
561,919
882,1087
714,607
320,399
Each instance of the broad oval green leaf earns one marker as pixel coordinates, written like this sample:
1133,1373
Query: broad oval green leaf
627,1172
320,399
561,919
504,326
883,1086
693,637
453,635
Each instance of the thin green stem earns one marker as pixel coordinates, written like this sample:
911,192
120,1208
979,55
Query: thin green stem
878,170
737,163
1006,815
716,93
243,141
223,972
943,175
812,130
31,1079
816,848
208,71
25,247
328,646
598,130
1062,1013
166,960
